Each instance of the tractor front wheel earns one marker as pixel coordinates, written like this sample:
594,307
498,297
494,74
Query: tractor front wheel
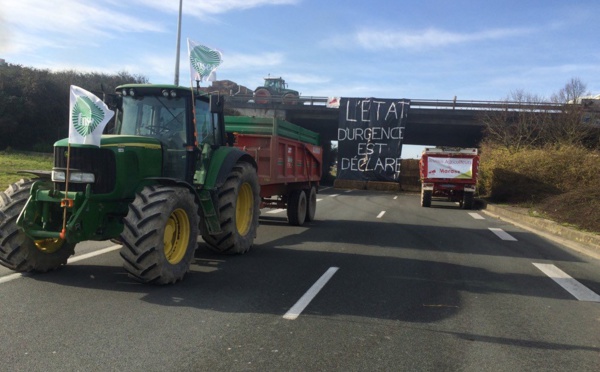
160,234
18,251
239,207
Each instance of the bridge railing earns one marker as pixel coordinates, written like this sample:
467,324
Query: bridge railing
248,100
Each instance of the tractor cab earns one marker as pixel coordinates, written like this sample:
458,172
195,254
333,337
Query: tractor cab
166,114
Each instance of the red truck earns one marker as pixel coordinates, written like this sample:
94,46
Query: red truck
450,173
289,160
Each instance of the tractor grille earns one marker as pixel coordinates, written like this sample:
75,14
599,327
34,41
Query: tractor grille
100,162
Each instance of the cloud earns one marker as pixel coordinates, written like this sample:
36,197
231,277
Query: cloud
203,8
417,40
35,24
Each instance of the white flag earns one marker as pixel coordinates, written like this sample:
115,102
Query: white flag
88,117
203,61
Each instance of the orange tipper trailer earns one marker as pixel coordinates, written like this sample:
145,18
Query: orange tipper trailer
289,160
450,173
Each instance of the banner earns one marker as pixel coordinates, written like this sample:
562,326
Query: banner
203,61
370,135
88,117
458,168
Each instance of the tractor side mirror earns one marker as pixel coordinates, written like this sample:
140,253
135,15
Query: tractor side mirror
216,103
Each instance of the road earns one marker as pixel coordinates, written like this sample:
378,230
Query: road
376,283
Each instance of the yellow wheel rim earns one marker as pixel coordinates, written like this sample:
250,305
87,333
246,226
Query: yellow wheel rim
244,209
177,236
49,245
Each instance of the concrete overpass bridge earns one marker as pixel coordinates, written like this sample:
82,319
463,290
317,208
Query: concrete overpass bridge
429,122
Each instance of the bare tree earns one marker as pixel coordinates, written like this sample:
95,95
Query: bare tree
519,124
569,127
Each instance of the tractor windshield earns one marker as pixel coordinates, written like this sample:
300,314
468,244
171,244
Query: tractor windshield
162,118
158,117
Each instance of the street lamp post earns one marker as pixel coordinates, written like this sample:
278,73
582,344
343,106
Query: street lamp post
178,45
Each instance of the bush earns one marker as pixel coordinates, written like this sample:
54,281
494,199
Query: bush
536,174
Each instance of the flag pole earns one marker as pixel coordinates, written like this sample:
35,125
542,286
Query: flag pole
66,202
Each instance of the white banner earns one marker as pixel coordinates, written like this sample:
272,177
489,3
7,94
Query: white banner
461,168
88,117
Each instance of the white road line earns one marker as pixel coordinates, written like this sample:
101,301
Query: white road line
477,216
395,197
380,214
348,190
578,290
297,309
333,195
319,200
502,234
93,254
8,278
276,211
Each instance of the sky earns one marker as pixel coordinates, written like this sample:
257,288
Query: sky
438,50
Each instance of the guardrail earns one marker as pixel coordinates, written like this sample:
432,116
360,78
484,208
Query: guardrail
414,103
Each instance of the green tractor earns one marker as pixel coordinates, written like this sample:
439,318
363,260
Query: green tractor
163,178
275,90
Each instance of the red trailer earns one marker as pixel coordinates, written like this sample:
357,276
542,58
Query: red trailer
289,160
449,173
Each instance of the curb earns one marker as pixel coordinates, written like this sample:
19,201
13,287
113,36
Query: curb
583,242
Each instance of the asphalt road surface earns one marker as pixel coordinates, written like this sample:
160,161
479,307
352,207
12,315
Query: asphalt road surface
376,283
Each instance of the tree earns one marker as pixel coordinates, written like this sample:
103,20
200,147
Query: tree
34,103
570,128
519,124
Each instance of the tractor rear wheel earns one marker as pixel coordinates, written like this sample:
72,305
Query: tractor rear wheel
18,251
239,207
262,96
160,234
311,206
296,208
290,99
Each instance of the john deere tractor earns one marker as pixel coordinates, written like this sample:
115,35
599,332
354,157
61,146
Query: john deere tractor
162,179
275,90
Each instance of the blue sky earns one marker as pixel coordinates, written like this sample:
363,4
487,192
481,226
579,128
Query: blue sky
475,50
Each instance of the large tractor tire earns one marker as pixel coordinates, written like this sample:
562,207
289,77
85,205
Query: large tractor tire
426,198
18,251
296,208
311,206
262,96
290,99
160,234
239,207
467,201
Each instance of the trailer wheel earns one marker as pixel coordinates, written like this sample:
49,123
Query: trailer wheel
160,234
239,206
467,202
18,251
426,198
296,209
311,206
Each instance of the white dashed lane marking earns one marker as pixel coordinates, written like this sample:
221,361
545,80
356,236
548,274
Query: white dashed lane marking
303,302
578,290
477,216
502,234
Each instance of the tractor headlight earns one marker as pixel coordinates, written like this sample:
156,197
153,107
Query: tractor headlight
75,177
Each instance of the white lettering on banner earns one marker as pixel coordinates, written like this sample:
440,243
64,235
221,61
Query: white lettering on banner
369,134
356,164
365,108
